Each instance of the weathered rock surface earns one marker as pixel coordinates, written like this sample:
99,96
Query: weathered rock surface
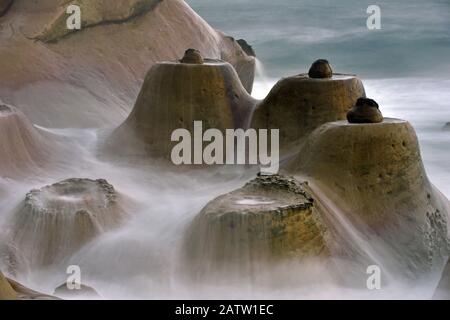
173,96
270,218
365,111
297,105
374,174
6,291
4,6
91,77
55,221
22,148
24,293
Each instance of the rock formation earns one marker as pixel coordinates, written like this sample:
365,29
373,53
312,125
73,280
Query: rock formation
320,69
4,6
55,221
174,95
6,291
374,174
365,111
24,293
91,77
22,148
270,218
297,105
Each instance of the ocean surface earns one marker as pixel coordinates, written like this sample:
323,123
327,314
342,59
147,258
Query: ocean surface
405,65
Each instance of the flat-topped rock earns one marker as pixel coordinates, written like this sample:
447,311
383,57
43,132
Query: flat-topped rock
297,105
375,175
269,218
173,96
55,221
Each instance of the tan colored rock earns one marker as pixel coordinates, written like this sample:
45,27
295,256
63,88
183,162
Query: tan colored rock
297,105
6,291
91,77
24,293
374,175
22,147
271,218
173,96
192,56
365,111
55,221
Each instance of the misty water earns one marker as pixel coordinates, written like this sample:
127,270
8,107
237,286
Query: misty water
404,66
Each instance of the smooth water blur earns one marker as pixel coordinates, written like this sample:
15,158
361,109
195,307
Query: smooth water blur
288,35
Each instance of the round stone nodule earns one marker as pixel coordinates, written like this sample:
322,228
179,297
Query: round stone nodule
365,111
192,56
320,69
57,220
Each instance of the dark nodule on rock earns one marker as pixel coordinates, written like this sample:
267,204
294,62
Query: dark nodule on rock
321,69
192,56
4,109
365,111
248,49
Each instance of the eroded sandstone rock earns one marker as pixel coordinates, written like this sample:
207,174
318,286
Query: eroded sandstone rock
6,291
55,221
270,218
443,289
297,105
365,111
374,176
22,147
192,56
173,96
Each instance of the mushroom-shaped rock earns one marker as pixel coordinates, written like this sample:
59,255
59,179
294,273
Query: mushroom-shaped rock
55,221
192,56
365,111
6,291
297,105
4,6
22,147
271,217
320,69
173,96
373,173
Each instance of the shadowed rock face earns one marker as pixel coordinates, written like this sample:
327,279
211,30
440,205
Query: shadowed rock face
57,220
173,96
271,217
374,175
91,77
4,6
22,148
297,105
365,111
321,69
